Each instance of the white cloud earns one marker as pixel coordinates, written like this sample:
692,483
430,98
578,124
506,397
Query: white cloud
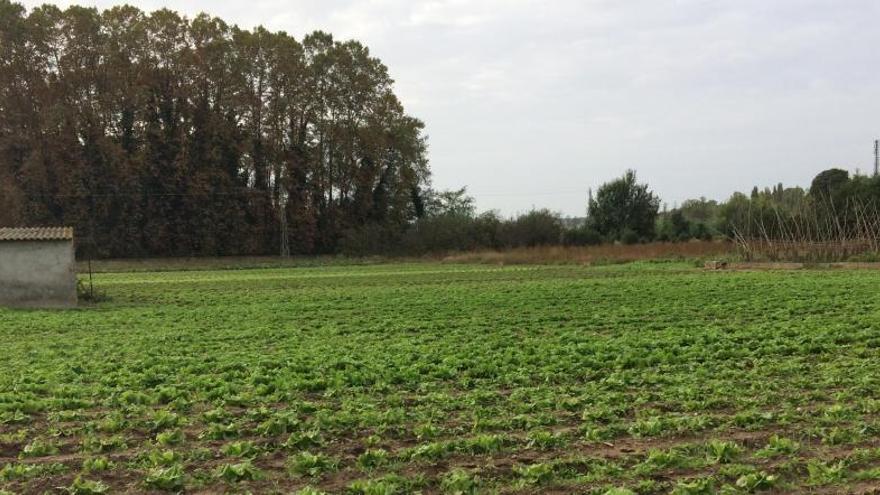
444,13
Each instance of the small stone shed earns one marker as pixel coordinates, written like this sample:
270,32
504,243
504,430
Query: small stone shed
37,267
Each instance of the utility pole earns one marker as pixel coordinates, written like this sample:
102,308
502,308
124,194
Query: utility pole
876,157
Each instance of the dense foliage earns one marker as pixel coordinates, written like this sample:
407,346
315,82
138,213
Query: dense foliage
154,134
624,210
448,378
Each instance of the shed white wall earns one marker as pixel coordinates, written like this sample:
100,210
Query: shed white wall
37,273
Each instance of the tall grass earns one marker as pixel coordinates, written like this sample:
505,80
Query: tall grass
617,253
536,255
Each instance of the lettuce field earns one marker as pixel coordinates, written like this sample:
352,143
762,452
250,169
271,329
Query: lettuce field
459,379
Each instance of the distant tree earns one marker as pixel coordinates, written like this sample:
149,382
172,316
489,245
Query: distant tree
681,227
735,213
448,222
700,210
828,183
673,226
455,202
624,210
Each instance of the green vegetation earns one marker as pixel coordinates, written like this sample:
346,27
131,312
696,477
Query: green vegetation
636,378
624,210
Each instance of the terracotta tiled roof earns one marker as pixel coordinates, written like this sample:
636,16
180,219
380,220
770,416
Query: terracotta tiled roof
36,233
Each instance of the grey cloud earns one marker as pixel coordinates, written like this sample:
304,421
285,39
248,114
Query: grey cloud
530,102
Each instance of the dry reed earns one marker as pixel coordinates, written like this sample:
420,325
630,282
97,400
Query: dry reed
596,254
814,231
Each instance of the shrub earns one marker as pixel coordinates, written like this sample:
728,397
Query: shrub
451,232
535,228
369,239
584,235
629,236
88,293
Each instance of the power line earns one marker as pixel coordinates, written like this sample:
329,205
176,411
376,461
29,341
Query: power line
543,193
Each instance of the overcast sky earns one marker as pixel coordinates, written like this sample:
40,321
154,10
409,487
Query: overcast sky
532,102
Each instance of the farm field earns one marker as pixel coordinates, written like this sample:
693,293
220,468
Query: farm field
437,378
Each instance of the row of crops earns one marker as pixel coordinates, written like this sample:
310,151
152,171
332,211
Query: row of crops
639,378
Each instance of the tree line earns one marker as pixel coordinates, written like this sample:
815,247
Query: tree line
158,135
836,203
836,206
